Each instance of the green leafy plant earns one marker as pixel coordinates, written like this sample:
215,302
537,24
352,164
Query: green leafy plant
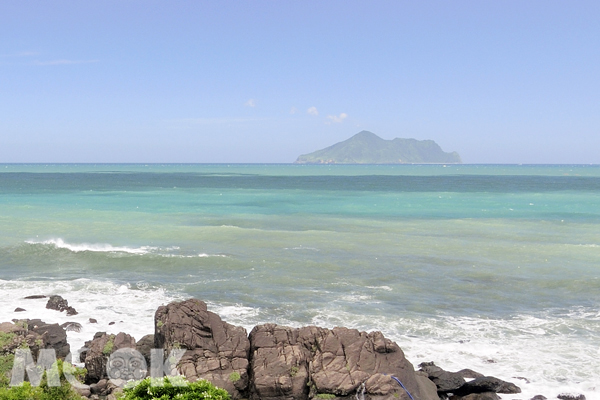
160,324
294,371
173,388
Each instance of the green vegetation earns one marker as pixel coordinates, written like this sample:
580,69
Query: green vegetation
294,371
367,148
164,389
6,364
6,339
234,376
44,392
159,324
325,396
108,347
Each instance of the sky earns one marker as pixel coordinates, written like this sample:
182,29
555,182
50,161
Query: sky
264,81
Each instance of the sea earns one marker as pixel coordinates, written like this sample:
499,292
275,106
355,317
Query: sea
495,268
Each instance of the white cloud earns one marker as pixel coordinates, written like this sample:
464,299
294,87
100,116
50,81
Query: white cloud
313,111
337,118
293,110
250,103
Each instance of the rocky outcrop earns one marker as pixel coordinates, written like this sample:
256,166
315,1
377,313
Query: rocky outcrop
53,336
144,346
288,363
98,351
59,304
215,350
480,388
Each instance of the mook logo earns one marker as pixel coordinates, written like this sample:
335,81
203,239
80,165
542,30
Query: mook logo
122,366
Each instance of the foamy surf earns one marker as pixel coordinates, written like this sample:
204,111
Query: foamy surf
94,247
171,252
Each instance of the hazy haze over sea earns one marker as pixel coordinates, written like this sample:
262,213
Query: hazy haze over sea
490,267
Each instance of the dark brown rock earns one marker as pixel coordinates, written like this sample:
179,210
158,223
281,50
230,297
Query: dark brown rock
19,309
98,351
444,380
477,396
144,346
53,336
279,368
342,359
570,396
303,363
71,326
426,387
215,350
35,296
487,384
93,321
59,304
539,397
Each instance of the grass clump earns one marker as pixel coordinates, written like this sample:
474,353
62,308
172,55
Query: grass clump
325,396
108,347
6,339
44,392
174,388
234,376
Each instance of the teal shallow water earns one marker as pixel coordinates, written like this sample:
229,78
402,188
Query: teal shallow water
431,255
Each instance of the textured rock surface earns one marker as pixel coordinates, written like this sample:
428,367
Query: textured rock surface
426,387
477,396
53,336
98,350
444,380
488,384
215,350
59,304
279,368
335,361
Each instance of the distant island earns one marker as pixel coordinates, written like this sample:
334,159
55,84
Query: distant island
367,148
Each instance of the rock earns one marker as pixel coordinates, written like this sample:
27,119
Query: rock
341,359
487,384
426,387
570,396
338,362
71,326
144,346
477,396
99,349
59,304
279,366
469,374
35,296
19,309
215,350
539,397
53,336
93,321
445,381
83,390
111,323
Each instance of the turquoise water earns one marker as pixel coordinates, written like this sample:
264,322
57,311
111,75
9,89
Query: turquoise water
504,258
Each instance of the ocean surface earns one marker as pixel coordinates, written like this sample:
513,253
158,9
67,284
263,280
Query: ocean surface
490,267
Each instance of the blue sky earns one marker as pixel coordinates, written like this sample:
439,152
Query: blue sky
265,81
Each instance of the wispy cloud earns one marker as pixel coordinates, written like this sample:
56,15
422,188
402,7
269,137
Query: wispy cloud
64,62
337,118
313,111
250,103
293,110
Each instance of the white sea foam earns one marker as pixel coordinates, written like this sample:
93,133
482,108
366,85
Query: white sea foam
555,351
108,248
95,247
131,307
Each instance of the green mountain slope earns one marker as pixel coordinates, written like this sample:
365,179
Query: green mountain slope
368,148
